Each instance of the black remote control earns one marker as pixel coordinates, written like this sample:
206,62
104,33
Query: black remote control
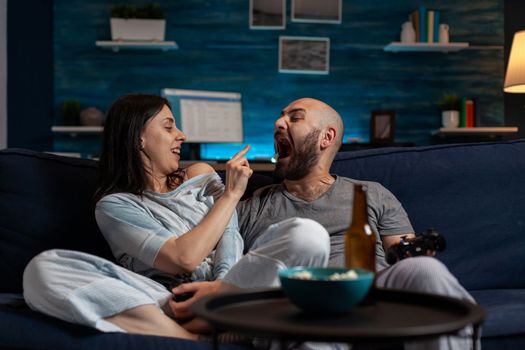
182,297
182,278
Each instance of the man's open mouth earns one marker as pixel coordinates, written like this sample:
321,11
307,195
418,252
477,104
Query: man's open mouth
283,148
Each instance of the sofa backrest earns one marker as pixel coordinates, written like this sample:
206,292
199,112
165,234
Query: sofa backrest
473,194
45,202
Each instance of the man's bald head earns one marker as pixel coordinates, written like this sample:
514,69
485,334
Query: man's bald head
327,117
308,135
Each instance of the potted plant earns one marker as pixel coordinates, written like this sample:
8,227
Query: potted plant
70,111
450,104
145,23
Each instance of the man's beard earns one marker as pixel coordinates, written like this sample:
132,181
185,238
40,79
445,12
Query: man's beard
304,158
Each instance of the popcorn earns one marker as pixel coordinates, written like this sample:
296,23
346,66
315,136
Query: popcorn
302,275
348,275
307,275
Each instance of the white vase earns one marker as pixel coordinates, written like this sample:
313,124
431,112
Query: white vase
137,29
450,119
408,34
443,33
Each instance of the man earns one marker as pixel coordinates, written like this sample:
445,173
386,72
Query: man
308,134
307,137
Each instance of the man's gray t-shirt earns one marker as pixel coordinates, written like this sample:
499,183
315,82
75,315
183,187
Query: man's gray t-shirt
333,210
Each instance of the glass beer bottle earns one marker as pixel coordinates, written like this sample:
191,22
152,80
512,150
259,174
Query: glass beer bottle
360,241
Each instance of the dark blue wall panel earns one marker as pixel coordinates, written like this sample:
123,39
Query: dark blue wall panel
30,74
218,51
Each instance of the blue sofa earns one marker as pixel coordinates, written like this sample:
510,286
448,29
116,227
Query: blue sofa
45,202
471,193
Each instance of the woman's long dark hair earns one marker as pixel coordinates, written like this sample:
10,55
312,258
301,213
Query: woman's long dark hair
120,165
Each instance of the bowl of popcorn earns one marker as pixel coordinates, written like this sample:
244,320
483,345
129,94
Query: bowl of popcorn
325,290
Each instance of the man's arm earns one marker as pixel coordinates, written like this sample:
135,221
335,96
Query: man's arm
389,241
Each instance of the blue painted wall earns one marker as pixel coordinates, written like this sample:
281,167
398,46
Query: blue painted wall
218,51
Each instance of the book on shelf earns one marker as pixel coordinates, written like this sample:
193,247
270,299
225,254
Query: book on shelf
430,29
469,113
463,113
436,26
414,17
426,24
477,114
422,24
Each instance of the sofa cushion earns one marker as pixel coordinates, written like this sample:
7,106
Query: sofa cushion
504,326
473,194
505,309
45,202
23,328
503,343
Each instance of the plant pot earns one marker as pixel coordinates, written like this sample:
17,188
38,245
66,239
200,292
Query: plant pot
91,116
137,29
450,119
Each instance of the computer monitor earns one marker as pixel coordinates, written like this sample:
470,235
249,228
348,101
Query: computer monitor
207,116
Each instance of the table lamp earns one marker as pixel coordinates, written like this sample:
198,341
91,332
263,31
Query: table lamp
515,77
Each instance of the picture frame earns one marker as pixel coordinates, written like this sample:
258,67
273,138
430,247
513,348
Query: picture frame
315,11
267,14
304,55
382,126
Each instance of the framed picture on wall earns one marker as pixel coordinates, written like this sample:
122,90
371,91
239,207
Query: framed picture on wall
304,55
317,11
382,126
267,14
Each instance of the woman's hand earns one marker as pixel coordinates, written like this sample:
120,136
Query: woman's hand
198,289
184,253
238,172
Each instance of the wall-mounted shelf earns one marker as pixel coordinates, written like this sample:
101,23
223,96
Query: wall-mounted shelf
477,131
116,46
425,47
73,131
221,166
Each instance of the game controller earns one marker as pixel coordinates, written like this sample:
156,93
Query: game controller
430,240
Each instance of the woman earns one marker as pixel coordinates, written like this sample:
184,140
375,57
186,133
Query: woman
151,212
162,224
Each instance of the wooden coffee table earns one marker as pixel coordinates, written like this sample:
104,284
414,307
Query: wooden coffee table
386,317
